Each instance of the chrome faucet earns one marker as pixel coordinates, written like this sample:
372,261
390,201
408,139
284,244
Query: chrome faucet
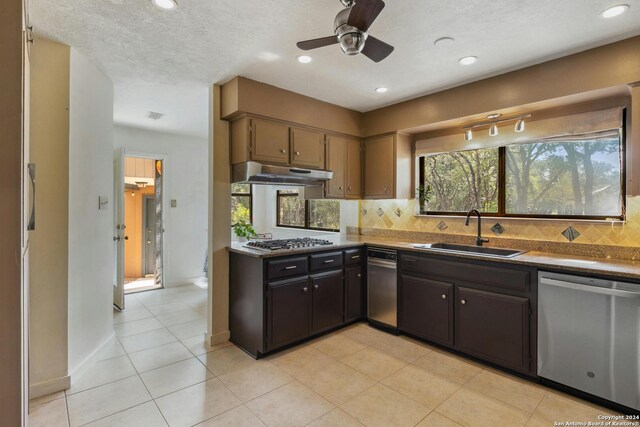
479,239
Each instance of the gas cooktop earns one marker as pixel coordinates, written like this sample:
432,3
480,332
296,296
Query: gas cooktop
284,244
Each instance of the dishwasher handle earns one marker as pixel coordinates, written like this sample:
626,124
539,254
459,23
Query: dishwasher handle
381,263
588,288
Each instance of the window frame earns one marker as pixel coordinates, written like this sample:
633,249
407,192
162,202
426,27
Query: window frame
502,190
307,215
250,196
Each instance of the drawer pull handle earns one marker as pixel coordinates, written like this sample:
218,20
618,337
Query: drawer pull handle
355,257
329,261
291,267
444,296
463,302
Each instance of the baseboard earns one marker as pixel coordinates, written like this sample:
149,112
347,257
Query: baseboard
50,386
218,338
88,361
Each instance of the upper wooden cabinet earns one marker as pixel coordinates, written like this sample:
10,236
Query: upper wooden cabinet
388,167
307,148
344,159
269,141
273,142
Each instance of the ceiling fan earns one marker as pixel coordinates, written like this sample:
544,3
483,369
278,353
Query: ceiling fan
350,29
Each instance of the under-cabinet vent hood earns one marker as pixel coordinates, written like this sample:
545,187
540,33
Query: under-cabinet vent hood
257,173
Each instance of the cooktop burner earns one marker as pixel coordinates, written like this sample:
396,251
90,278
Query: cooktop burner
275,245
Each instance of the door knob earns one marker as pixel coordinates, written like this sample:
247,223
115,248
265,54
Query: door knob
126,237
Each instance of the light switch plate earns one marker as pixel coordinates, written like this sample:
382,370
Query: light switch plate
174,203
103,203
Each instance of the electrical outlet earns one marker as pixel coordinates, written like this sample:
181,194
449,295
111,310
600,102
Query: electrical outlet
174,203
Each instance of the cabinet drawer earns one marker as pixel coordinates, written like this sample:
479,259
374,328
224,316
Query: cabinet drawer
325,261
353,256
286,267
478,274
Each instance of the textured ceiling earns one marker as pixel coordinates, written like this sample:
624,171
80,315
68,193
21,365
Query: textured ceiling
153,55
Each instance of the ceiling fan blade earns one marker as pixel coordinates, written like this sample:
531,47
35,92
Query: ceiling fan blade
364,13
376,50
316,43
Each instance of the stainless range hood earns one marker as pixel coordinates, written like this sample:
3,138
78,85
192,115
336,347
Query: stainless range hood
257,173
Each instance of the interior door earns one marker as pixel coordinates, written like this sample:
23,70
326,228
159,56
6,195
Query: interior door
149,235
119,228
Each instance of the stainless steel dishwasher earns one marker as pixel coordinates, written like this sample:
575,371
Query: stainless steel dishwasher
382,286
589,335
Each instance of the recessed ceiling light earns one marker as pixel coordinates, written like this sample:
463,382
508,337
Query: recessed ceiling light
382,90
165,4
615,11
444,41
468,60
304,59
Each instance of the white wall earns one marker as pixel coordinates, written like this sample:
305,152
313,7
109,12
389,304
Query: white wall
186,181
90,229
265,220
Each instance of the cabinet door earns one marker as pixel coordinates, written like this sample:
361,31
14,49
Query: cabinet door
307,148
493,326
269,141
288,305
379,167
328,301
426,309
354,293
353,170
336,161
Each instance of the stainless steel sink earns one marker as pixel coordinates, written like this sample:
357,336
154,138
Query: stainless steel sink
476,250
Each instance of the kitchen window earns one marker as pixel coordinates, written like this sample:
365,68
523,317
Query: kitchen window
241,203
580,177
294,212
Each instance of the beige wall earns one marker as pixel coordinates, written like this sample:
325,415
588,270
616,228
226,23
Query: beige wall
49,242
10,211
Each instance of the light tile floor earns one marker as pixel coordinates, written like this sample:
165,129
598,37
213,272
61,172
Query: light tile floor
158,372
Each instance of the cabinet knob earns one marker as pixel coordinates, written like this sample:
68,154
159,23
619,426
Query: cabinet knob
463,302
359,275
283,151
339,188
315,286
386,190
297,153
444,296
305,289
349,188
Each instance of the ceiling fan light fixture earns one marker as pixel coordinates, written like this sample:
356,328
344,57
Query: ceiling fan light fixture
165,4
614,11
352,43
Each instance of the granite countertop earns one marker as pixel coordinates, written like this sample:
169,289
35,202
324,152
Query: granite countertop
615,268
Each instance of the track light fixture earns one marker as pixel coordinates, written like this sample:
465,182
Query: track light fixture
492,123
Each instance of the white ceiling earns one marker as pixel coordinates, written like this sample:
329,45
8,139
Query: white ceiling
164,61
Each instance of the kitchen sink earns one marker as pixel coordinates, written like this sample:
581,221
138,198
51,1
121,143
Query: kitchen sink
476,250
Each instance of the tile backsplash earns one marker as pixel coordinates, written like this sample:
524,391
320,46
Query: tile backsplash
400,215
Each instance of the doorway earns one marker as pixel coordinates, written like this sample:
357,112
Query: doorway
143,222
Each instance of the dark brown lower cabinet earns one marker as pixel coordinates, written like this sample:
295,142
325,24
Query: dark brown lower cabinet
493,326
327,301
354,293
288,305
426,309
